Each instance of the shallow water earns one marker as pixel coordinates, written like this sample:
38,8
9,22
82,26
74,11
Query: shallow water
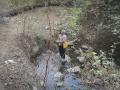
70,80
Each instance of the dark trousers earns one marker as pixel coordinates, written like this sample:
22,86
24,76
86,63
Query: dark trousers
47,44
62,51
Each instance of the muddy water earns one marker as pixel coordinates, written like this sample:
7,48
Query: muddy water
70,80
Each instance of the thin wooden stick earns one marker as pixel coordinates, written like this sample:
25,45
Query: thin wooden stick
49,47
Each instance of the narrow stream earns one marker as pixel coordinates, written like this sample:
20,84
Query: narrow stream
70,80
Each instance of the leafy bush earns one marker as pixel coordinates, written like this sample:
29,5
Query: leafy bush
100,66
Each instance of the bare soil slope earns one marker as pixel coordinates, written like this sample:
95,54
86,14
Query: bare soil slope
16,71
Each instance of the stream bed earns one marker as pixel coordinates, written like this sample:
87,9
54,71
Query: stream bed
70,80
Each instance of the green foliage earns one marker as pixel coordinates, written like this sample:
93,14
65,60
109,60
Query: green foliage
73,3
53,1
74,16
115,24
84,3
94,69
21,2
70,23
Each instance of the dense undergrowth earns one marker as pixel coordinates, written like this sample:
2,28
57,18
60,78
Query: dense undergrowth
98,28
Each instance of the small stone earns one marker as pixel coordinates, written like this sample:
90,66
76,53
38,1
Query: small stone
10,83
67,58
59,84
11,61
74,69
85,47
48,51
42,83
6,62
35,49
98,81
58,77
34,88
5,84
81,59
